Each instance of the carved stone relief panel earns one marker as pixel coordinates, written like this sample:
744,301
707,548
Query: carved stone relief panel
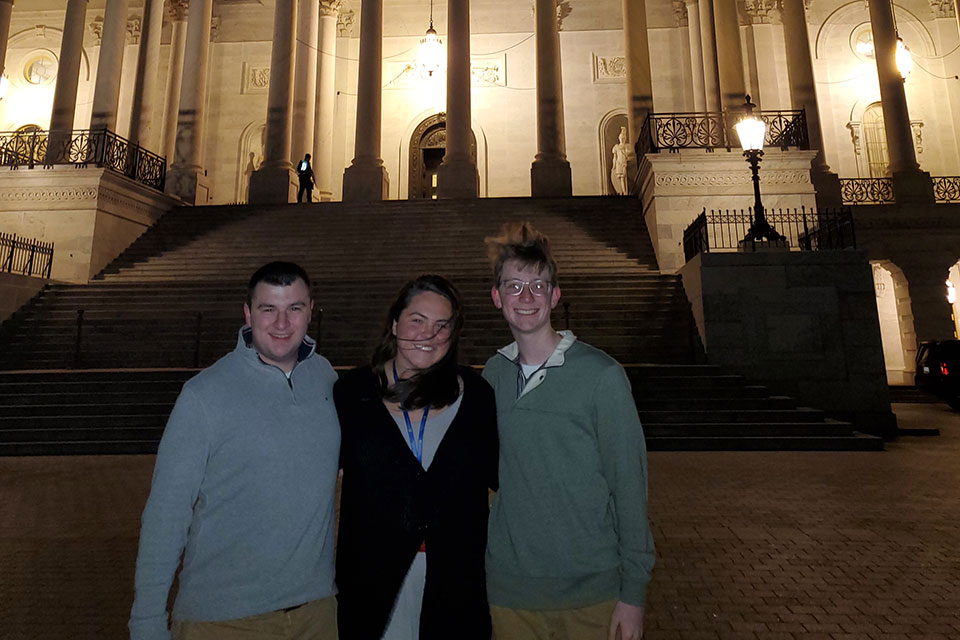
255,79
609,68
942,8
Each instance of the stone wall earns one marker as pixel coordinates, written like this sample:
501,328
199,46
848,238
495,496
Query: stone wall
804,324
15,291
676,187
91,215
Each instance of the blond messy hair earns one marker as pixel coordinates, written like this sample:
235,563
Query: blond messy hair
522,242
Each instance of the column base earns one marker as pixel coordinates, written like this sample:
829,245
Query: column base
273,185
189,184
457,179
913,187
365,183
827,186
550,178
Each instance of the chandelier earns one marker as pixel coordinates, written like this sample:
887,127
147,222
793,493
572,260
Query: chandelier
430,57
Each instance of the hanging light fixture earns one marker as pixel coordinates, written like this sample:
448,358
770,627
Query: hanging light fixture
431,57
904,59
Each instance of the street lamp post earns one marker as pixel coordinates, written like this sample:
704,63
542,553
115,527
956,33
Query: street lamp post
751,131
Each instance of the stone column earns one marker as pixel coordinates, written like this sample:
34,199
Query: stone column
909,182
326,98
729,55
639,81
366,179
457,175
106,92
696,55
68,78
803,95
146,88
178,38
187,177
711,81
305,80
550,173
275,181
6,8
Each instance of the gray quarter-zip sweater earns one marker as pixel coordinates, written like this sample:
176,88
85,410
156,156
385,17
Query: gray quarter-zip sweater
244,488
568,527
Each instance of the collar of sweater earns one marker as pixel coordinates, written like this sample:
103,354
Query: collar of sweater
245,348
512,351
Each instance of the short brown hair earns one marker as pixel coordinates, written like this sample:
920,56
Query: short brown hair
522,242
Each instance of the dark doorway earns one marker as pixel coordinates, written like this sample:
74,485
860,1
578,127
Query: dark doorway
427,147
431,164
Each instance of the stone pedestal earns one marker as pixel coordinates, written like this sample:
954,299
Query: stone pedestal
91,215
913,187
827,185
273,185
676,187
550,179
458,179
365,183
190,185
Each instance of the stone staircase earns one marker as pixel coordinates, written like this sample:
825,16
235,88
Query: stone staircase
105,382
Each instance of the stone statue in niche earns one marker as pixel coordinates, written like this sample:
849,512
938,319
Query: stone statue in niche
622,153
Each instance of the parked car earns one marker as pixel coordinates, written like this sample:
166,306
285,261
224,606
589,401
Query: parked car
938,370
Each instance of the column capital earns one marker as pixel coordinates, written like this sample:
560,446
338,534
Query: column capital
330,7
133,29
345,20
96,28
762,11
943,8
177,10
680,13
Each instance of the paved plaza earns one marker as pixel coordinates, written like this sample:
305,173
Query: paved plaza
839,546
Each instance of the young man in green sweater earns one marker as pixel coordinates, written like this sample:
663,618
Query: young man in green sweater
569,552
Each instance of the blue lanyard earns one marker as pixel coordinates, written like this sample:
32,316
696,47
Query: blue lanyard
416,447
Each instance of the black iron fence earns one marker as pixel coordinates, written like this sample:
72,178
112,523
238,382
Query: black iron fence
867,190
25,257
97,147
676,131
805,230
946,188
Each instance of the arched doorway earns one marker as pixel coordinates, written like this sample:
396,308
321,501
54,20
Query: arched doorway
895,312
427,147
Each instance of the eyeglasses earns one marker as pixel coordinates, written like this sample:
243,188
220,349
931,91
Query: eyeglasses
537,288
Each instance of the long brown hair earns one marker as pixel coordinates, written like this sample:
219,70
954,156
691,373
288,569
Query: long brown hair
438,385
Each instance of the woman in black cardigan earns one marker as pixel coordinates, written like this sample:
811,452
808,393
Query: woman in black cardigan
419,452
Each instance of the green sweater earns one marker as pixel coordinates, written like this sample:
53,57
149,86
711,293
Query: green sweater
568,527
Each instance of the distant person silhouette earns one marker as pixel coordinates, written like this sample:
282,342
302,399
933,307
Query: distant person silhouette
305,173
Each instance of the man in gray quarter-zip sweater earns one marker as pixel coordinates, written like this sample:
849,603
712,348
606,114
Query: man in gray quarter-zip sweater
569,548
244,486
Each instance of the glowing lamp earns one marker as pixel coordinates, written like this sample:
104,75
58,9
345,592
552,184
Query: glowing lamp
430,57
904,59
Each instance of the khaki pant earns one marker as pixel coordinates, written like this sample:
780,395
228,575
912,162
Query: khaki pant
316,620
588,623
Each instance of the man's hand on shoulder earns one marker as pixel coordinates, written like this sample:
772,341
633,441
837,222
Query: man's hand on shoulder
628,620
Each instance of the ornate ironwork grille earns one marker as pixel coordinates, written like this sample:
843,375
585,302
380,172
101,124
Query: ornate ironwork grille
675,131
805,230
867,190
946,188
26,257
83,147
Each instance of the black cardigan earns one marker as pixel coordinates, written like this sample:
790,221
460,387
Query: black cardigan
389,504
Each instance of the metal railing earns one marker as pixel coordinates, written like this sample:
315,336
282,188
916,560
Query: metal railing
867,190
676,131
83,147
946,189
805,230
25,257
